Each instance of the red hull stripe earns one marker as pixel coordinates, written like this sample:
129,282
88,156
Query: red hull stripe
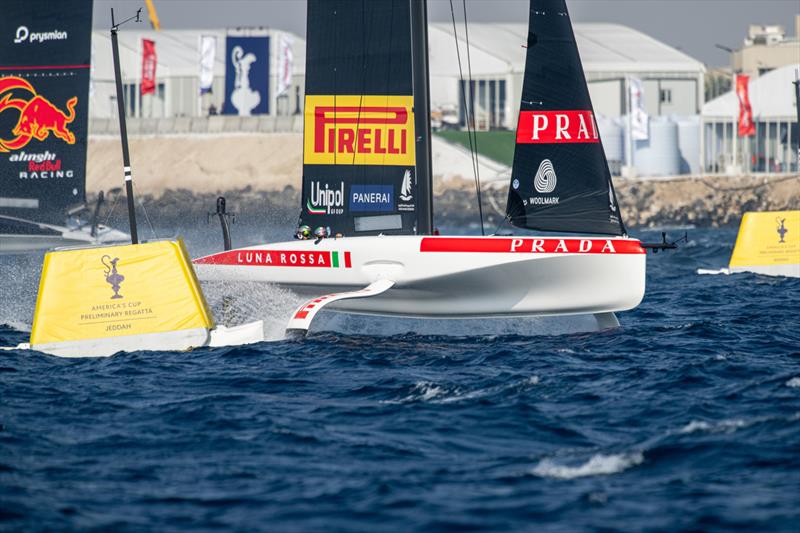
347,263
531,245
274,258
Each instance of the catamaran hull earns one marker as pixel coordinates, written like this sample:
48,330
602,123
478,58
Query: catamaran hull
448,277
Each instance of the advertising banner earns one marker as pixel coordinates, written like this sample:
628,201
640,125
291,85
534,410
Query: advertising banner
246,76
746,126
149,61
639,117
45,51
285,64
208,52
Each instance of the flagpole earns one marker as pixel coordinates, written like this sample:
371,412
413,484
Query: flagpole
735,129
629,139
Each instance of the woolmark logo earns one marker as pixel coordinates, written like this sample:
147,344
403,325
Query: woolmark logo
23,34
545,180
359,130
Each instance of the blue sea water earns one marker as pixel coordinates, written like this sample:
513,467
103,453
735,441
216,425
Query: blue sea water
685,418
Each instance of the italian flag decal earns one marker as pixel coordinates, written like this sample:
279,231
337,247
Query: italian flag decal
314,210
336,263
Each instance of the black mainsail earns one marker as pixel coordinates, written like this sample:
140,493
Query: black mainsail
362,150
44,97
560,180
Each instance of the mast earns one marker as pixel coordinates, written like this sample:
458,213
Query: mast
123,131
422,113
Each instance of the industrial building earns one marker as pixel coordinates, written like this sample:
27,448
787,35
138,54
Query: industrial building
673,81
766,48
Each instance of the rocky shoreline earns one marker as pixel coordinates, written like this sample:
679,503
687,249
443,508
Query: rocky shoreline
702,202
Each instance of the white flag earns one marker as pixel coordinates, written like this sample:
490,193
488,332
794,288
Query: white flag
285,64
639,117
208,50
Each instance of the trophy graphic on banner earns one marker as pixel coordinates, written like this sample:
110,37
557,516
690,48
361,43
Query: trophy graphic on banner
243,98
113,277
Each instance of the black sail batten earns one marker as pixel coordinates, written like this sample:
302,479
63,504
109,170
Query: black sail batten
560,179
359,156
45,53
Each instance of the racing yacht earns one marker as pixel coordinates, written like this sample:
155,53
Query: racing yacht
366,186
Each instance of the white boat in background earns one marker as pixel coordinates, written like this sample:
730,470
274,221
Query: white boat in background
367,186
19,235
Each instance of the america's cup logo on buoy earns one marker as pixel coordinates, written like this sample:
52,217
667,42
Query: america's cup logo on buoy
545,180
781,229
113,277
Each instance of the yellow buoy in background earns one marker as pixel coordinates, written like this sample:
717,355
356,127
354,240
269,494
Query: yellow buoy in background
768,243
99,301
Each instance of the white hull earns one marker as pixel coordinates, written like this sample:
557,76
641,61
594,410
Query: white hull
449,277
42,236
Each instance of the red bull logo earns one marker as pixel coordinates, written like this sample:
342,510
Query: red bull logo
38,117
359,130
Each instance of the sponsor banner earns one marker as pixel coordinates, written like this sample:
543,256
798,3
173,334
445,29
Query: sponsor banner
325,199
541,246
556,127
746,126
285,64
44,86
371,198
246,76
280,258
208,52
149,62
45,34
43,130
639,118
359,130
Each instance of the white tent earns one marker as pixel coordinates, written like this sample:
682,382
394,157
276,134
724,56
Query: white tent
771,97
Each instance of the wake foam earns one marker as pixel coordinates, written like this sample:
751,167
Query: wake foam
598,465
426,391
723,426
793,383
236,303
18,289
711,272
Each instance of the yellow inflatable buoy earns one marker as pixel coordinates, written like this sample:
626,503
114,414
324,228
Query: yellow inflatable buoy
102,300
768,243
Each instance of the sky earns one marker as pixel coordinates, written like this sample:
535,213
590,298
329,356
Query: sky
693,26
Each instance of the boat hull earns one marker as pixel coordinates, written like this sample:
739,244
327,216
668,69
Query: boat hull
449,277
18,236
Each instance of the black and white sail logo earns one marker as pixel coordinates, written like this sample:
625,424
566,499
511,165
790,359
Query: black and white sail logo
544,182
405,188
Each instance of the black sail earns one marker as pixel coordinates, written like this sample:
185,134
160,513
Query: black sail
359,156
44,107
560,180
